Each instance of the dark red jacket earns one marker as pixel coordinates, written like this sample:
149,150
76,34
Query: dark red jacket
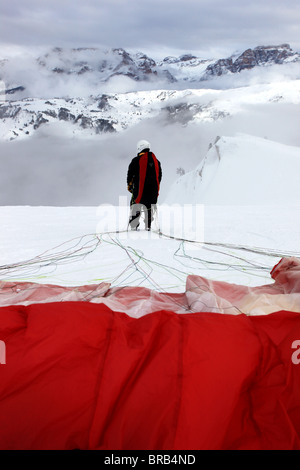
144,175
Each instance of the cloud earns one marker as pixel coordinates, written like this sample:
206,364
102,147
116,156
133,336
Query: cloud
208,26
55,168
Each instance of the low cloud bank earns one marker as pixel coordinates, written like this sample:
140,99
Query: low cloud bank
52,169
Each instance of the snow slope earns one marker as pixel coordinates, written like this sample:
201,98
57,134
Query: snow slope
243,169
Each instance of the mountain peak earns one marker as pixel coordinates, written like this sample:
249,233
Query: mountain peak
250,58
100,65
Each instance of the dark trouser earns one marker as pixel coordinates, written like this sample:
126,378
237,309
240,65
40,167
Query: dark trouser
136,212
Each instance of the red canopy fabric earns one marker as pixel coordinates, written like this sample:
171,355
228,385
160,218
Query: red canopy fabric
80,375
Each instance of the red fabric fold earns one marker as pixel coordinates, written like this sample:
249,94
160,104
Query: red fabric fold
79,375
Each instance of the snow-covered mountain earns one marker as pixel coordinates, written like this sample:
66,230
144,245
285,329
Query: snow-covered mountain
114,112
241,170
104,65
74,115
257,57
75,86
84,71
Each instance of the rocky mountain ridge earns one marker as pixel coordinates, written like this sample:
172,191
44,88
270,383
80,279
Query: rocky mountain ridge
114,112
257,57
104,65
22,113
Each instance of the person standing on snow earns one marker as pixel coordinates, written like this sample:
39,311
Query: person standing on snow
143,181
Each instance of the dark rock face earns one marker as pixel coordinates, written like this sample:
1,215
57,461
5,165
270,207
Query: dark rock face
65,115
39,121
9,111
145,63
34,119
51,113
187,57
260,56
11,91
219,68
139,67
84,121
103,103
99,125
104,125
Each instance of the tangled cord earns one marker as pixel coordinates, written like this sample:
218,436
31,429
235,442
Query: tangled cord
220,257
85,245
47,259
139,271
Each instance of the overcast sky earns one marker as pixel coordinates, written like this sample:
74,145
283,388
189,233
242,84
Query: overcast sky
209,27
